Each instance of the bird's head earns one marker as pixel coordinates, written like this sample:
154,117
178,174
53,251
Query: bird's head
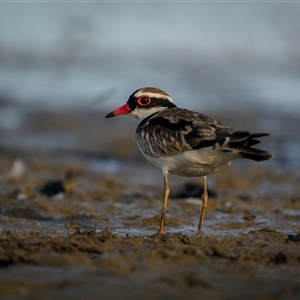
143,103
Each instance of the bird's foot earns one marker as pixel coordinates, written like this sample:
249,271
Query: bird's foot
199,233
161,231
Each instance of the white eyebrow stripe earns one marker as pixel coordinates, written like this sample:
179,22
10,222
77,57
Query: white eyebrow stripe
153,95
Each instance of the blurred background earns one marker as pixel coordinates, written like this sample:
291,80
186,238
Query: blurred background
231,60
67,173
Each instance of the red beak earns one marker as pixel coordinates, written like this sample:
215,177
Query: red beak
123,110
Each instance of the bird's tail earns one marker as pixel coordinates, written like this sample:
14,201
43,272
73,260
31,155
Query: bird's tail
245,146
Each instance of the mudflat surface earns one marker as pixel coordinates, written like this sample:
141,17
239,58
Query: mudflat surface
79,208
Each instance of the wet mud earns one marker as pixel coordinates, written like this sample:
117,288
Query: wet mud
79,208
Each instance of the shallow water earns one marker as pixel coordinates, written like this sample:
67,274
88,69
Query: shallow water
219,56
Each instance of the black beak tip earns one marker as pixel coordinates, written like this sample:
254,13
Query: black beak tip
110,115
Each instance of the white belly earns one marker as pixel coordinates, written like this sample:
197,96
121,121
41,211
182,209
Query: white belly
194,163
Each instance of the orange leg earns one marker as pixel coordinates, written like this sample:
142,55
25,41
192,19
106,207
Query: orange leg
161,229
204,199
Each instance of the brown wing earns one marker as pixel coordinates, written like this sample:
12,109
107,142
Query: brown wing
176,130
173,131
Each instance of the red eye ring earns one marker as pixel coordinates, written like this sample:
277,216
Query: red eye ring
143,100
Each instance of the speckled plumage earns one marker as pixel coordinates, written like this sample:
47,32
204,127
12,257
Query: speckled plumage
176,130
183,142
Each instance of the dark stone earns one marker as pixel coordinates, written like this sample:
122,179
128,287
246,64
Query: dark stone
52,188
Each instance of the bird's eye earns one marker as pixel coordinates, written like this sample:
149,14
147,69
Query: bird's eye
143,100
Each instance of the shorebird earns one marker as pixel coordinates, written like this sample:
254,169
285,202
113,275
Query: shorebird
184,142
